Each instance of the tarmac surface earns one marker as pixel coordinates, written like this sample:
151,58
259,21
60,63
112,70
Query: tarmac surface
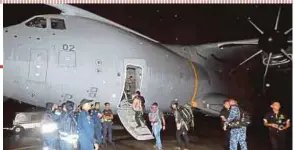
207,135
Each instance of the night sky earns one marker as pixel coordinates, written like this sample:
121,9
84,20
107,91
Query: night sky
176,24
190,24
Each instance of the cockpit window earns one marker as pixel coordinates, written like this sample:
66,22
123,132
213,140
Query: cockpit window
57,24
38,22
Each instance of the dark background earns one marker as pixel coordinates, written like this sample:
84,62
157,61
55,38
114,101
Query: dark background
190,24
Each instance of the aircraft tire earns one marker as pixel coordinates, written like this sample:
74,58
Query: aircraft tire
18,130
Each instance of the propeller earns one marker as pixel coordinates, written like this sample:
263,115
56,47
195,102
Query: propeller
265,72
270,43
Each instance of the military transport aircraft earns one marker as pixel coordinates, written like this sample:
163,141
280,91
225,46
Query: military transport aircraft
78,54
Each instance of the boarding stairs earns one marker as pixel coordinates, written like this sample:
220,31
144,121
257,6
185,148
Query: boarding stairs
127,117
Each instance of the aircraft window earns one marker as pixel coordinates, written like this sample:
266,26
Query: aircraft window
36,117
38,22
57,24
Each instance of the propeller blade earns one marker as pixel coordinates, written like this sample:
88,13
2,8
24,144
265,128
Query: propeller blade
252,56
288,31
255,26
266,69
267,65
278,18
285,54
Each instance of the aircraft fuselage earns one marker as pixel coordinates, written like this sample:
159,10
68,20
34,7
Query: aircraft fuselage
88,59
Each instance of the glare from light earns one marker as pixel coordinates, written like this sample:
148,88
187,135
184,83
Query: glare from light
49,127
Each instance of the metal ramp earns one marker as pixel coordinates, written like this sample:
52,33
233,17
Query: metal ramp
127,118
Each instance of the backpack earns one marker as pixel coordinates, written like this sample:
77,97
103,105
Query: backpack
245,118
186,114
243,121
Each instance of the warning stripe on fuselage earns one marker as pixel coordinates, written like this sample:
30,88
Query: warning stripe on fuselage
193,99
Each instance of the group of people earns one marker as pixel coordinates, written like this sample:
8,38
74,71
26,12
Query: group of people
88,127
235,129
85,127
158,123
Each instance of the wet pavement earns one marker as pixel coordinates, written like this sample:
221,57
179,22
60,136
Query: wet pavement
207,135
123,141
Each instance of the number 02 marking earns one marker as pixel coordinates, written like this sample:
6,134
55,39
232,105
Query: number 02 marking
67,47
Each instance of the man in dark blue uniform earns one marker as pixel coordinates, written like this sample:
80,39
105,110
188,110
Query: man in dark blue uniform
68,128
86,126
278,124
49,127
97,114
77,112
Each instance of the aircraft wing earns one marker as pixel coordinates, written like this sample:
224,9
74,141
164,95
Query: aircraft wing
204,51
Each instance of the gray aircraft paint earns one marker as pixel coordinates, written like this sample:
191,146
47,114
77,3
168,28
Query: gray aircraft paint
96,65
60,77
88,60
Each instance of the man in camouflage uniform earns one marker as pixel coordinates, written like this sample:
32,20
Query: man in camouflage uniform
238,135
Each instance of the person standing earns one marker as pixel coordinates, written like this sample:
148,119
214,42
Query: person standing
138,94
224,114
157,122
130,87
85,126
137,107
107,124
238,134
97,115
49,127
77,112
182,128
68,128
278,123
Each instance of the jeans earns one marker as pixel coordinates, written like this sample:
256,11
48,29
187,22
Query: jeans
156,128
107,128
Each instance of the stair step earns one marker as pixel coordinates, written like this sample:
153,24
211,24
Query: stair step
127,117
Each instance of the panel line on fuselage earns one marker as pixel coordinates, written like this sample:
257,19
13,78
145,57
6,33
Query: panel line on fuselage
195,91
